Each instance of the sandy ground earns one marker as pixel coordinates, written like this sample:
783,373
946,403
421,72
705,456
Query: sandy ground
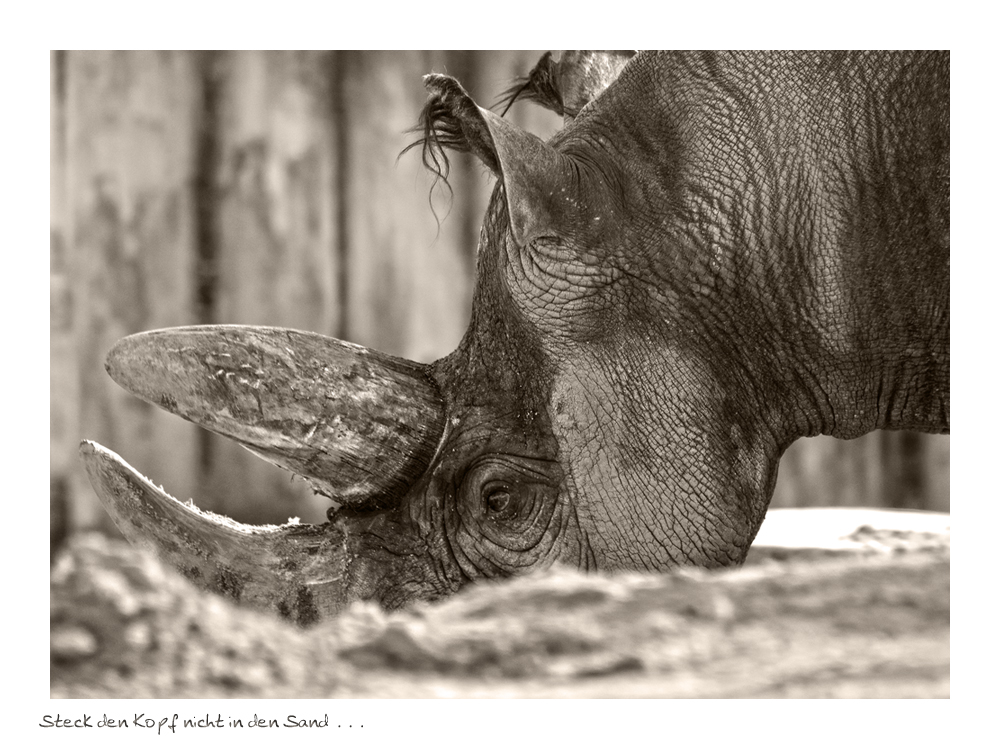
831,603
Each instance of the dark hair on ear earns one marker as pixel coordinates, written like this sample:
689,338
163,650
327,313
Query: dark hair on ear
450,120
539,86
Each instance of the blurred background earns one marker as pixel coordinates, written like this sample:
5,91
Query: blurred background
264,188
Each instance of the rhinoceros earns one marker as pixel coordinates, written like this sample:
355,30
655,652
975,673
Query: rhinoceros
718,254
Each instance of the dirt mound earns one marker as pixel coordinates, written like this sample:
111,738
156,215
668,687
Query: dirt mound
863,614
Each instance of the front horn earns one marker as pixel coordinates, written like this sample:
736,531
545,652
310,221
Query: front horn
361,426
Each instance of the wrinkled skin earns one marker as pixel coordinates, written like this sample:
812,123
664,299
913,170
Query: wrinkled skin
728,252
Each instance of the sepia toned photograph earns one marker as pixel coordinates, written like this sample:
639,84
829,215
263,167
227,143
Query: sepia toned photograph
499,374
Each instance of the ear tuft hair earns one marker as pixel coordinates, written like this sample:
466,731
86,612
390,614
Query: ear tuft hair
527,168
541,86
450,120
568,85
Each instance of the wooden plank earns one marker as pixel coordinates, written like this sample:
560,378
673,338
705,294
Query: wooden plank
63,396
275,242
408,287
916,470
937,472
827,472
881,469
131,120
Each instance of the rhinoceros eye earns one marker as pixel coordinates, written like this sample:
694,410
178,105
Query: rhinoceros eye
506,490
498,500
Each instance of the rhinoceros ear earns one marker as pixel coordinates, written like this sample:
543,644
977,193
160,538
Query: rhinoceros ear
570,83
531,171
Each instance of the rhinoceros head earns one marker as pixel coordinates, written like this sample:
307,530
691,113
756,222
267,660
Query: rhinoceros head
551,434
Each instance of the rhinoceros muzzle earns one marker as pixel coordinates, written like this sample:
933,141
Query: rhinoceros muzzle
360,426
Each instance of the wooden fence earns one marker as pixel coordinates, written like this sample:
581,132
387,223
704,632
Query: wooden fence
264,188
